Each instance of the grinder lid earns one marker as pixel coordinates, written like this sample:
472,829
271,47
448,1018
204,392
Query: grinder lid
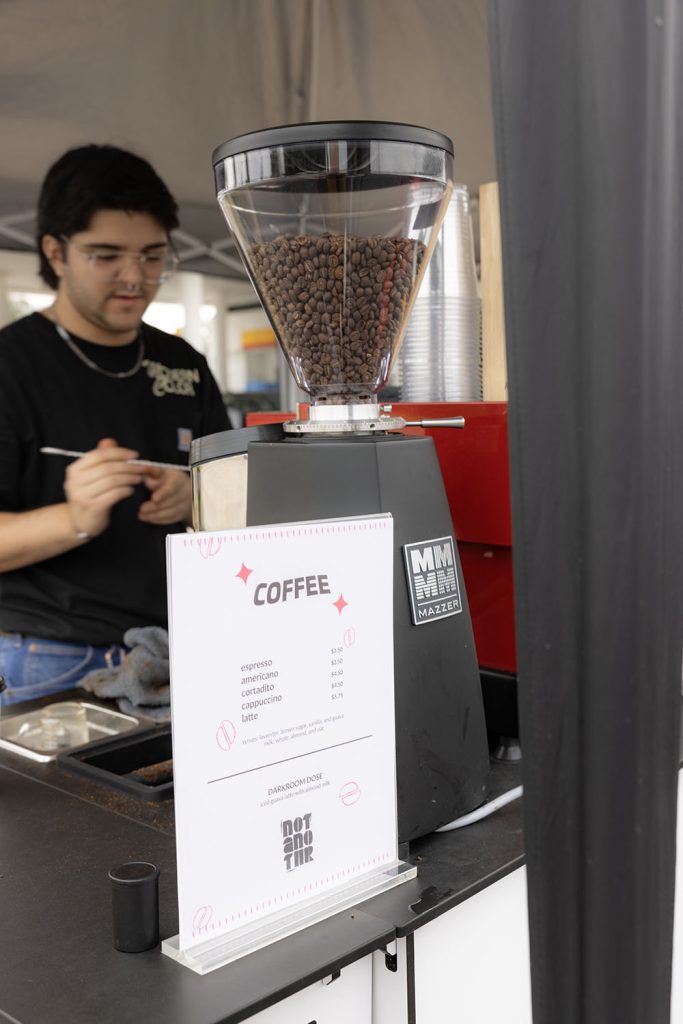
332,131
232,442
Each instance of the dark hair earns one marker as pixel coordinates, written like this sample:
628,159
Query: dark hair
93,178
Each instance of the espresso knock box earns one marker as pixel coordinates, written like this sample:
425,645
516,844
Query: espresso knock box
281,652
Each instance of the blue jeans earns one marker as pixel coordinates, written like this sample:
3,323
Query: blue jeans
33,667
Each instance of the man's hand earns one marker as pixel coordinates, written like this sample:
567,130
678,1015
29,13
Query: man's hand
93,485
170,498
98,481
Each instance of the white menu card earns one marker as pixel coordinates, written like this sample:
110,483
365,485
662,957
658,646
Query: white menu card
282,690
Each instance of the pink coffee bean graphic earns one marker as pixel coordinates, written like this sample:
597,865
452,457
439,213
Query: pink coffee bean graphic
202,918
226,734
209,546
349,637
350,793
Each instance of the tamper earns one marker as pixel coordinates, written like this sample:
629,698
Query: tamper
135,906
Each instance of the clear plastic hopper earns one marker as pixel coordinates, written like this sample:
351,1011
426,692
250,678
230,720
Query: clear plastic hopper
335,223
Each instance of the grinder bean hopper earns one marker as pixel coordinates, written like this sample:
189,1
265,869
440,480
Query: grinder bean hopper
335,223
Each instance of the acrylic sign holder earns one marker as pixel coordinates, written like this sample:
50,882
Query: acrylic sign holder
345,636
224,949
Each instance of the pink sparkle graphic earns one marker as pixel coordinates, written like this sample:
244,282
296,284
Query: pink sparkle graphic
244,573
340,604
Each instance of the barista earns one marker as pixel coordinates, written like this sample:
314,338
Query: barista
82,542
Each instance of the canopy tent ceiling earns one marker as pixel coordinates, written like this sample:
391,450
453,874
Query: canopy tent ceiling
171,80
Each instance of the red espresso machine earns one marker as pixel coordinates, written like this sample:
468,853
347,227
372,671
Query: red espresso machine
476,473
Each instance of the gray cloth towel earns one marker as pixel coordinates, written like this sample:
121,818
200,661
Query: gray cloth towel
142,680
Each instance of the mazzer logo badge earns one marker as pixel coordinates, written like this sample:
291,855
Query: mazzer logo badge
432,579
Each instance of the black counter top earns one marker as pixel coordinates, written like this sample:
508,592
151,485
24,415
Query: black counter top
60,835
57,961
453,866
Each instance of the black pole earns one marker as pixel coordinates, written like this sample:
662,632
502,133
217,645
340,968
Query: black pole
589,147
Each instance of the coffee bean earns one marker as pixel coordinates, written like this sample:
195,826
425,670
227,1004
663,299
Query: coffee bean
338,303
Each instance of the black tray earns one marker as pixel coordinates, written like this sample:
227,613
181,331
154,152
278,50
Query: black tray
111,762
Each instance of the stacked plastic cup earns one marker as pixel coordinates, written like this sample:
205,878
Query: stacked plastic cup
440,357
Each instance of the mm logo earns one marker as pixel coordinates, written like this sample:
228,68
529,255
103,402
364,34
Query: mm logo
432,574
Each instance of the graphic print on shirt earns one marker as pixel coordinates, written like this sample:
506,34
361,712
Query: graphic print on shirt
171,381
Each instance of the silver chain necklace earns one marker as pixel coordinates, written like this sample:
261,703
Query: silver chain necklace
68,340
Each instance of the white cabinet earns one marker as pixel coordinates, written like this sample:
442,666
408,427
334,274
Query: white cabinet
390,988
472,963
468,966
345,1000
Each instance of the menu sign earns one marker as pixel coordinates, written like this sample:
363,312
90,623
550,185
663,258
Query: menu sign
281,644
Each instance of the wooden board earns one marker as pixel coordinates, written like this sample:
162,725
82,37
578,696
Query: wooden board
492,301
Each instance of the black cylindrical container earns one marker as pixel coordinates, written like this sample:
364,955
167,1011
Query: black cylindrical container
135,906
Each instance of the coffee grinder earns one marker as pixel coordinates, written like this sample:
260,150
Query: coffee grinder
335,223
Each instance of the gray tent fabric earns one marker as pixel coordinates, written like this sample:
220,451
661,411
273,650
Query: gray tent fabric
589,143
172,80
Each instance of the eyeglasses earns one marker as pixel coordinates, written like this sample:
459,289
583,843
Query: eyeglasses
155,267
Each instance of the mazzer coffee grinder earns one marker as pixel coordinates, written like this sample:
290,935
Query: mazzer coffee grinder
335,223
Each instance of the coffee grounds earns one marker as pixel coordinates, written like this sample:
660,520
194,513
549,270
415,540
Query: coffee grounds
338,304
154,774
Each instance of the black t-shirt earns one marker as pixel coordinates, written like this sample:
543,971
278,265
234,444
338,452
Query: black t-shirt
48,397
